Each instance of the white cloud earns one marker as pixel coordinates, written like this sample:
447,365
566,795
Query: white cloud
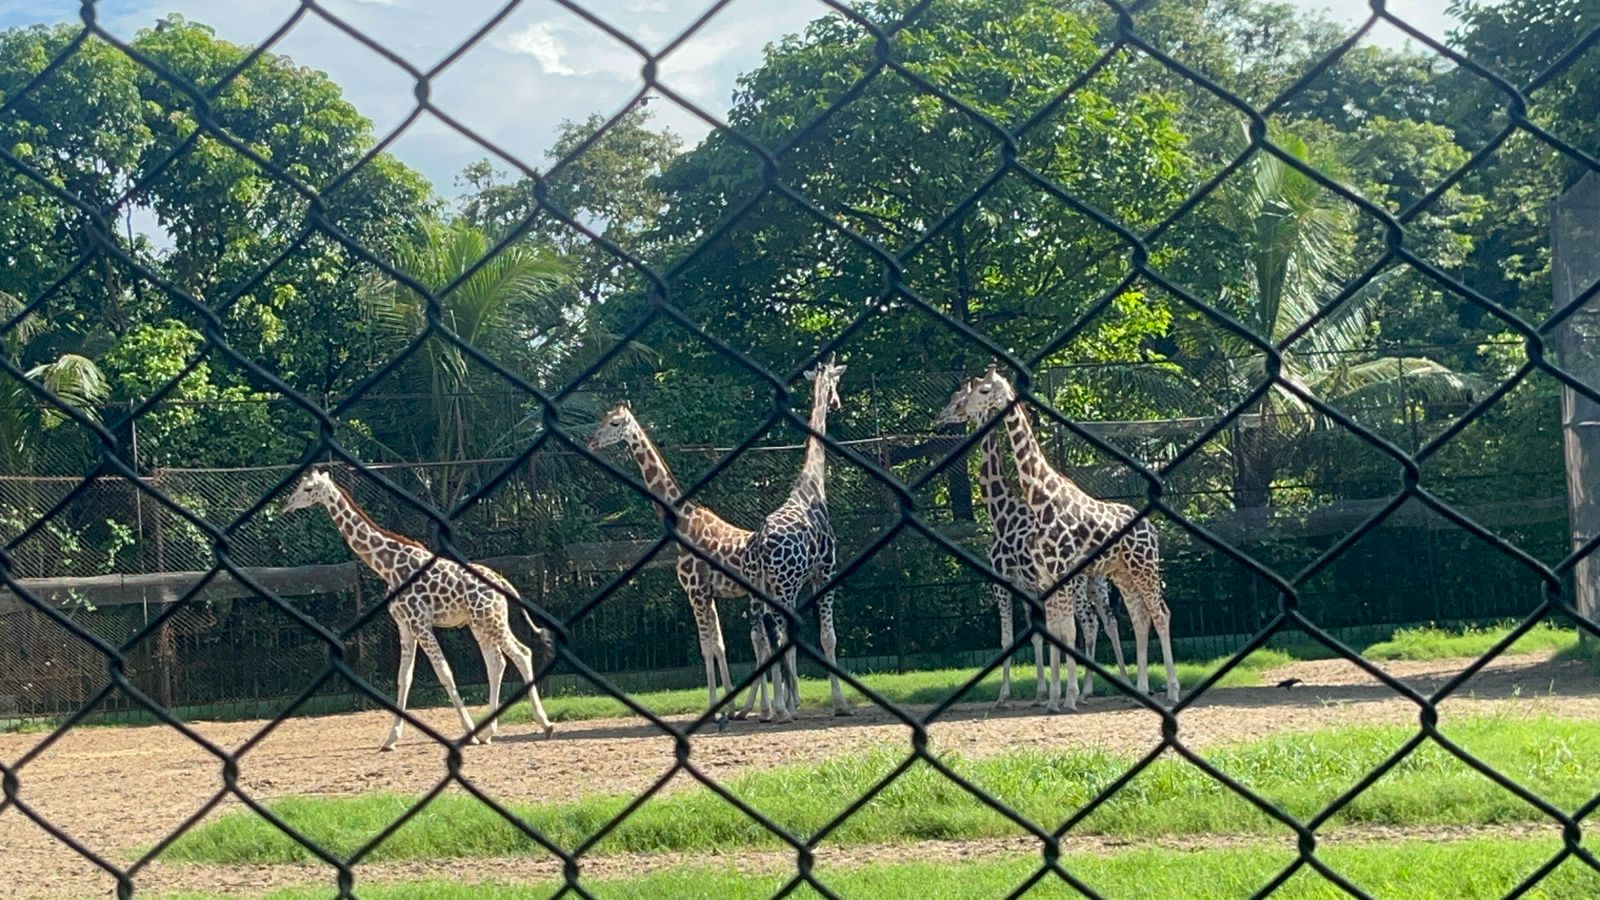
540,42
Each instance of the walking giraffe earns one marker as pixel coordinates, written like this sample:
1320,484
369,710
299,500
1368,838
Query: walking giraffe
1010,555
427,591
1069,525
795,545
713,536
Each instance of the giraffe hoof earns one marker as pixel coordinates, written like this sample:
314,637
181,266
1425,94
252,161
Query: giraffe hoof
766,718
386,748
549,729
844,711
739,714
1002,703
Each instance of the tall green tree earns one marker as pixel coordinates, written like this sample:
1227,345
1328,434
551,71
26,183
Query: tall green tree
1277,247
1014,262
503,309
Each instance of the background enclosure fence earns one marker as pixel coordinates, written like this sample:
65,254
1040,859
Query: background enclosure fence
1387,549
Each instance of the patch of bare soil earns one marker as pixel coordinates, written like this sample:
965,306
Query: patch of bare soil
118,791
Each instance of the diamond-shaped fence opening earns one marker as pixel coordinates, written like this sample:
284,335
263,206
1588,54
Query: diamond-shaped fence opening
1276,400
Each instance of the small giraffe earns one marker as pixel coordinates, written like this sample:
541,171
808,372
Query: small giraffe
710,534
1010,555
446,594
1069,525
795,544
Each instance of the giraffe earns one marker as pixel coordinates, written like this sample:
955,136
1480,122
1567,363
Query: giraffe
1010,557
427,591
1070,525
796,545
713,536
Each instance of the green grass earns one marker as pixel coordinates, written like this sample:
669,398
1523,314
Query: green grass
1470,869
1432,642
924,687
1586,651
1302,773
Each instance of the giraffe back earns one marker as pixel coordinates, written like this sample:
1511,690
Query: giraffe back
1066,531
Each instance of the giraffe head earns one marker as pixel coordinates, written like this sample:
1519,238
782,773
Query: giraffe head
615,426
825,378
988,395
955,412
316,488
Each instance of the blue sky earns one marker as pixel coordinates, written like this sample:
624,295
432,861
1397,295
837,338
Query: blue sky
538,66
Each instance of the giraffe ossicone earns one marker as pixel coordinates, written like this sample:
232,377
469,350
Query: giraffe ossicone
428,591
1069,527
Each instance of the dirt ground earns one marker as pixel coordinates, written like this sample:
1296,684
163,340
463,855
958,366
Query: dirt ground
119,791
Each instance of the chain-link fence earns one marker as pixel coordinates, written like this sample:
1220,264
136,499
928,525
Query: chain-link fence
226,656
1386,545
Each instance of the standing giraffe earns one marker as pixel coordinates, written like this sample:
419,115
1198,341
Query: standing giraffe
710,534
427,591
795,545
1010,555
1070,525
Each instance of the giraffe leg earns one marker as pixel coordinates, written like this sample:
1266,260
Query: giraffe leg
707,628
830,648
441,669
1100,598
758,641
1141,646
1163,623
1063,628
1091,636
408,663
522,658
719,651
785,691
1002,602
494,663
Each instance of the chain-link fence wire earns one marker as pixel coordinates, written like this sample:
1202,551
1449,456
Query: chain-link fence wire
228,656
896,293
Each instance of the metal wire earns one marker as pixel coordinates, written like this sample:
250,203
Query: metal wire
908,517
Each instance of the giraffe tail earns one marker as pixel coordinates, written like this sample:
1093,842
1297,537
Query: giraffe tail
546,646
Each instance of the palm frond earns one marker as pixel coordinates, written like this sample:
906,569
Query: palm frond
76,380
1393,379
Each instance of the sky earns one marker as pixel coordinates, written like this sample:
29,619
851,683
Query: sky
538,66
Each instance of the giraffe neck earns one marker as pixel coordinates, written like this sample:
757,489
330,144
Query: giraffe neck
392,557
991,476
1040,483
653,468
813,474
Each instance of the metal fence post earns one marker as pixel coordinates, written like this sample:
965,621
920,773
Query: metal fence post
1575,265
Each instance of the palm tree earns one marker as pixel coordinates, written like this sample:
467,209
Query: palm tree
26,423
508,309
1291,239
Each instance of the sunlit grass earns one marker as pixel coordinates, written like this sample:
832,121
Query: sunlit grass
910,688
1300,773
1468,869
1432,642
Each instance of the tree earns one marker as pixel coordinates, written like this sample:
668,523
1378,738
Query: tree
502,309
228,216
1277,247
1016,262
27,422
609,187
